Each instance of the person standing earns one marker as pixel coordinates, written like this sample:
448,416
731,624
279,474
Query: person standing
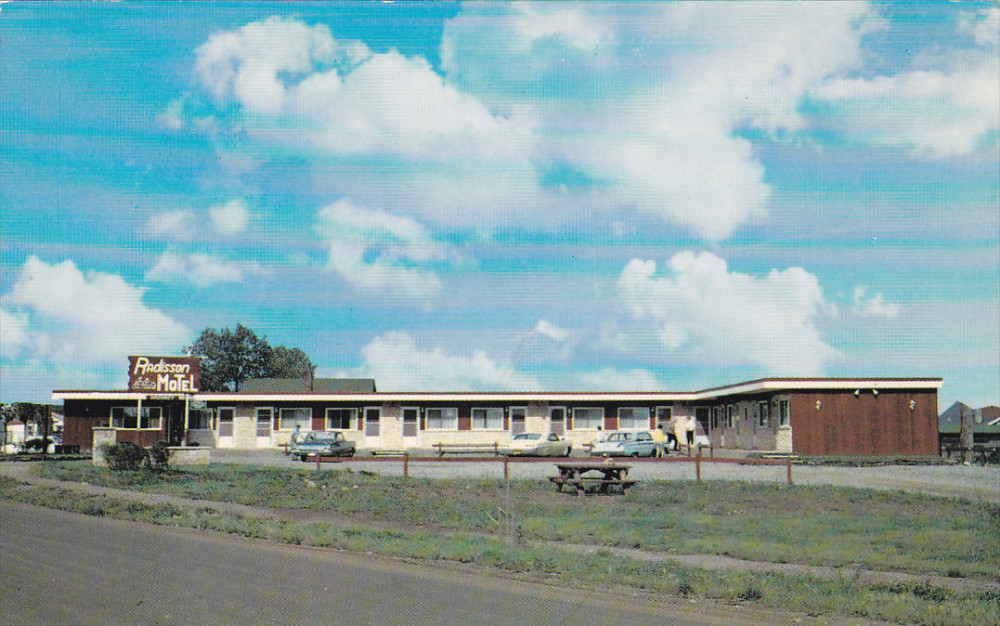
678,432
660,439
690,431
668,428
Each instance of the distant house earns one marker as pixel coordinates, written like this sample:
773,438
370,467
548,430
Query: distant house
985,424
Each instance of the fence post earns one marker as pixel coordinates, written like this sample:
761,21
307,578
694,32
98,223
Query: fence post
506,470
319,461
697,465
406,464
788,466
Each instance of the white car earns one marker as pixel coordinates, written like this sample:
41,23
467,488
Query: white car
537,444
622,443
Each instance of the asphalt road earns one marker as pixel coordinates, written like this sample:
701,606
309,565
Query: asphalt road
62,568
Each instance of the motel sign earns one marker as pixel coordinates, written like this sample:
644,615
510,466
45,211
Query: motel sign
163,374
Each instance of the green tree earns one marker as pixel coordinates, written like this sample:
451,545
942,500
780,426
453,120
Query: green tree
232,356
290,363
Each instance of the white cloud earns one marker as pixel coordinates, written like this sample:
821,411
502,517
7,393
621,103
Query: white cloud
180,225
611,379
350,99
398,364
944,109
701,309
202,270
74,325
875,306
662,136
230,218
379,252
550,330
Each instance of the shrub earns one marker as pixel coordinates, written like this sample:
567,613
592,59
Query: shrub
125,456
159,456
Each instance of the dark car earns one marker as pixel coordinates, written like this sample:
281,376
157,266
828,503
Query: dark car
330,443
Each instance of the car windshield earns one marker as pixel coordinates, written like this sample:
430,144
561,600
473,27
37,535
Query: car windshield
527,436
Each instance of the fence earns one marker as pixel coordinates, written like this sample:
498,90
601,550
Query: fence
696,459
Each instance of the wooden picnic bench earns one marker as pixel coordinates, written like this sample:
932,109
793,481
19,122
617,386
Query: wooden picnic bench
607,478
467,448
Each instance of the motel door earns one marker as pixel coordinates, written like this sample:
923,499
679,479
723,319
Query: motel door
265,418
372,432
226,415
411,428
517,416
557,419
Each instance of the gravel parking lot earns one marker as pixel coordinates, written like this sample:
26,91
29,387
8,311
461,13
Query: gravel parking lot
973,482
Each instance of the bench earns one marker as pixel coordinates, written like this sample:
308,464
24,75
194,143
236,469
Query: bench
467,448
593,483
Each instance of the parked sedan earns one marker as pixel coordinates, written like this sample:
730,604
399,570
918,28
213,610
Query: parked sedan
639,443
330,443
536,444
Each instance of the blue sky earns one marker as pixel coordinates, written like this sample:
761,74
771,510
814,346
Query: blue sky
505,196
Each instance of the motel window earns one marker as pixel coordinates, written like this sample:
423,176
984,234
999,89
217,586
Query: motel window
731,416
130,418
762,413
663,415
288,419
715,417
341,419
783,412
633,418
487,419
442,419
587,418
200,419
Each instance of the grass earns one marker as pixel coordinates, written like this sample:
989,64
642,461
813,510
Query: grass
809,525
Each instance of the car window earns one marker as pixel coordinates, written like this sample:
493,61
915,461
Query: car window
552,437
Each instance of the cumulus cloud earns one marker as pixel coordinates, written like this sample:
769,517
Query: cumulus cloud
688,77
201,270
352,98
702,309
180,225
945,109
71,323
398,364
376,251
230,218
875,306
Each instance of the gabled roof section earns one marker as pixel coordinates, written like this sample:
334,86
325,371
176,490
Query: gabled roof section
304,385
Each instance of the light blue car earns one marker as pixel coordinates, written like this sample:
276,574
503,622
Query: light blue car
622,443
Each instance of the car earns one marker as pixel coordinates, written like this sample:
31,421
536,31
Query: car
624,443
537,444
322,443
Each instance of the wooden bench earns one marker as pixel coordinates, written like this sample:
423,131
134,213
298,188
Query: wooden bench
467,448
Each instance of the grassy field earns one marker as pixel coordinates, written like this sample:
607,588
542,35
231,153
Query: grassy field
488,523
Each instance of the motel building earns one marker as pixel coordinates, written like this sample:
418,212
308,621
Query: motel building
805,416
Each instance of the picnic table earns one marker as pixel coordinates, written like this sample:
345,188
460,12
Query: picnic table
601,477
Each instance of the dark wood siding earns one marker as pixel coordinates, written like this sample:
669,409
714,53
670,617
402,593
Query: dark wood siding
864,424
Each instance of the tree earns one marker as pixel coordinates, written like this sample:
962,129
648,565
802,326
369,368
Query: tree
233,356
290,363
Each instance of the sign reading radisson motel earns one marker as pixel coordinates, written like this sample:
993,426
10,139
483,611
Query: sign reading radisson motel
163,374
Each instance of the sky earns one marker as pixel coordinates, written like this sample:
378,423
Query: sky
505,196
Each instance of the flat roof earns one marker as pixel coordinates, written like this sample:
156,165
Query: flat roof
750,387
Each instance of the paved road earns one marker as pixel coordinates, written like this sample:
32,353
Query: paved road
62,568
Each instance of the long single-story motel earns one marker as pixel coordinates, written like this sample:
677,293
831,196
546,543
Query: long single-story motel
805,416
